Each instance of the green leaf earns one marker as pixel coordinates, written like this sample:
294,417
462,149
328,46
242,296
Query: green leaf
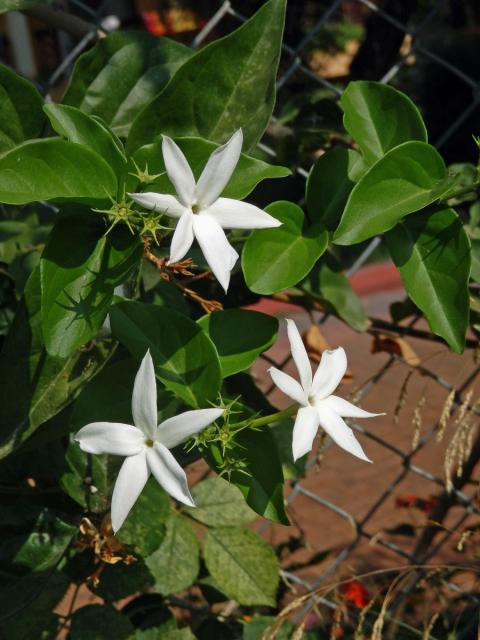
278,258
247,174
261,477
329,183
20,5
475,242
21,108
54,168
406,179
78,127
432,253
184,357
219,503
100,622
282,432
227,85
175,564
243,565
239,336
335,292
33,538
79,269
121,74
28,606
145,526
379,118
120,580
47,383
254,629
165,632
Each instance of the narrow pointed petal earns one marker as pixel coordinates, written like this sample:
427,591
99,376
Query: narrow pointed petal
219,254
177,429
169,474
218,170
178,171
170,205
304,431
130,482
114,438
235,214
182,238
144,398
300,356
340,433
288,385
330,372
347,409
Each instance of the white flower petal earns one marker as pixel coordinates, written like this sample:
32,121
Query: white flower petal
169,474
160,202
304,431
288,385
330,372
235,214
300,356
144,397
347,409
182,238
178,171
340,433
219,254
131,480
114,438
177,429
218,170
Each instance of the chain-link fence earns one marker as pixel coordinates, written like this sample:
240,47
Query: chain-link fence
428,394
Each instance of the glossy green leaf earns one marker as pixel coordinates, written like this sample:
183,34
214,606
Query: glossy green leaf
248,172
243,565
332,287
432,253
47,383
28,605
379,118
164,632
261,476
76,126
184,357
79,270
100,622
278,258
329,183
54,168
175,564
227,85
20,5
239,336
21,108
408,178
145,525
219,503
121,74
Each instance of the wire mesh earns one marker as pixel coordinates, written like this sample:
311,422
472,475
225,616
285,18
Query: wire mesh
450,498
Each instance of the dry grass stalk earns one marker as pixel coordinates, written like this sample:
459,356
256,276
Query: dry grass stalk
361,621
337,622
417,422
445,416
460,445
402,398
298,633
428,629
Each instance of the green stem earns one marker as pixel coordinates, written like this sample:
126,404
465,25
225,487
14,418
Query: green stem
274,417
460,192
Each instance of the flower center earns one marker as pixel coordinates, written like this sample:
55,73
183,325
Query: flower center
149,442
195,208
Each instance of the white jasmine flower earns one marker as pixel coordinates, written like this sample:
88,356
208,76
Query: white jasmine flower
201,213
319,406
145,445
